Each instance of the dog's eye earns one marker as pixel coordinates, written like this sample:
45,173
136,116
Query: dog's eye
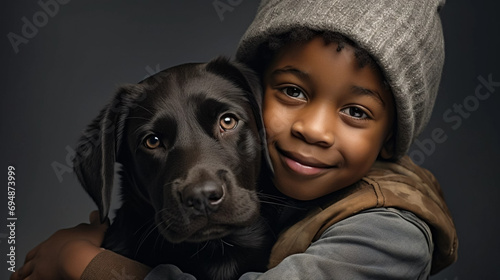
228,122
152,142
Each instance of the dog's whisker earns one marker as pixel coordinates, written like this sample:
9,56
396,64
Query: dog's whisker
146,237
160,238
150,227
163,209
222,246
197,252
271,197
145,234
276,200
168,220
146,223
161,235
281,201
282,204
227,243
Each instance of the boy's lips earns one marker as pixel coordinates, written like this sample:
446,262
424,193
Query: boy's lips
303,165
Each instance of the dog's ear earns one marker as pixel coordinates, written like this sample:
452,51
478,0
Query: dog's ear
239,74
247,80
98,147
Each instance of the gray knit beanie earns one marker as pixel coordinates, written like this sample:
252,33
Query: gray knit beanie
403,36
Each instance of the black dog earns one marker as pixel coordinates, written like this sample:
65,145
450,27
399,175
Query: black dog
189,144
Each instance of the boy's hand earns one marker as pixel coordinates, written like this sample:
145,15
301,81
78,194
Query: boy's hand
65,254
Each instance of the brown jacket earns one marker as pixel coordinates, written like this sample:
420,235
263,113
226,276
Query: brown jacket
402,185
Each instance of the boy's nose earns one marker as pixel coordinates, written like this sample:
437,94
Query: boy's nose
315,126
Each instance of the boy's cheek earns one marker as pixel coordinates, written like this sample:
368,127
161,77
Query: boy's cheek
274,125
275,119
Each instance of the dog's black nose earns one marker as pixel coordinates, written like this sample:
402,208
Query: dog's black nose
203,197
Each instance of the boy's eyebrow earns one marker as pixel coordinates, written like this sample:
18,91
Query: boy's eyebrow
373,93
291,70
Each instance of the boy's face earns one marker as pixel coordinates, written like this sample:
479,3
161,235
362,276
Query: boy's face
327,119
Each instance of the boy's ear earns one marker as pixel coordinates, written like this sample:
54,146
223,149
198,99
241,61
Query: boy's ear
387,151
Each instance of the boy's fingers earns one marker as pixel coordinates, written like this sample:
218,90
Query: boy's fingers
96,228
31,254
25,270
95,219
15,275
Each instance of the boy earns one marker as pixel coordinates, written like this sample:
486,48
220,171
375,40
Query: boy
348,86
348,83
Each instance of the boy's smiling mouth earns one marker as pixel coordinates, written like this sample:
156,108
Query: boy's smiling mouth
302,165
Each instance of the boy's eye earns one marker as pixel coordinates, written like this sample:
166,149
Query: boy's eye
294,92
355,112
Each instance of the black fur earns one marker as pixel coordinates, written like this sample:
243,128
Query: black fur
192,201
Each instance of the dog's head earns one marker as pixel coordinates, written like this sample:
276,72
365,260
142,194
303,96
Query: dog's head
189,140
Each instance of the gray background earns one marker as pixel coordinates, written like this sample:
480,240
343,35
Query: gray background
57,82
